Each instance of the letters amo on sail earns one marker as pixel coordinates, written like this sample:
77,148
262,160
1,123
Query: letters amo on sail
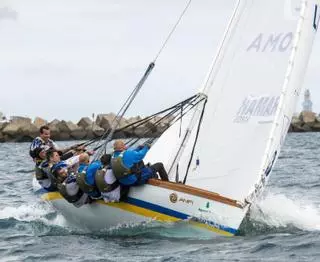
280,42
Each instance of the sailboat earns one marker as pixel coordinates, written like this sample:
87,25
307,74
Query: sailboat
221,154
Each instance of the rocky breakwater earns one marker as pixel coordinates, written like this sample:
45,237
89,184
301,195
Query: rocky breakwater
305,122
22,129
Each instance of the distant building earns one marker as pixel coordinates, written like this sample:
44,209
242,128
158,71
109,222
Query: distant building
307,103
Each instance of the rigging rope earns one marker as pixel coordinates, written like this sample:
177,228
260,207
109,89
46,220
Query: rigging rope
175,117
188,104
140,122
180,130
195,141
173,29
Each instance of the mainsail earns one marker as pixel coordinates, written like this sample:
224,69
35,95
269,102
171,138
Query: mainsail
251,93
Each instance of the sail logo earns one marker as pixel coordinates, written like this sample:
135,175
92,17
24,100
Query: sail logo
270,43
262,106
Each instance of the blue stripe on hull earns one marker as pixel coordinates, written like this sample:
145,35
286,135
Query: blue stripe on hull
156,208
173,213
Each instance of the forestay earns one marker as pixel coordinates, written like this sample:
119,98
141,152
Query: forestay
252,90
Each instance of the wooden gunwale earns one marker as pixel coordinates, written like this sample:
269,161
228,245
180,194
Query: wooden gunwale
194,191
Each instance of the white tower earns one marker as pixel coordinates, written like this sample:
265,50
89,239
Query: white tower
307,103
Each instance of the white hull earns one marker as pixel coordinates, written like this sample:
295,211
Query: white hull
150,202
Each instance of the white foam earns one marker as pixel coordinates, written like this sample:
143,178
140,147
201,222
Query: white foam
32,212
279,210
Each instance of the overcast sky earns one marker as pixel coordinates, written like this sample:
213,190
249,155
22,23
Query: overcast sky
70,58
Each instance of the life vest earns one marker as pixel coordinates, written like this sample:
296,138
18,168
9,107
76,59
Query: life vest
101,183
38,161
45,178
91,190
118,168
40,174
62,187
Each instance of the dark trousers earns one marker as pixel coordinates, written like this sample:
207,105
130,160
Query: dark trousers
159,168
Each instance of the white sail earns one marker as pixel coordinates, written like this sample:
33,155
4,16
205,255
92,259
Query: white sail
166,148
251,91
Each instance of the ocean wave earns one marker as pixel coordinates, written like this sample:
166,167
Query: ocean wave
39,211
279,213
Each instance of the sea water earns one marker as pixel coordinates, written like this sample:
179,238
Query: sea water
284,225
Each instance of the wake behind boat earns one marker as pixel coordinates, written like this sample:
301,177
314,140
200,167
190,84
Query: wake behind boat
250,90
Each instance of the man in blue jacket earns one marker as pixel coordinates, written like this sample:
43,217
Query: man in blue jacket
128,167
